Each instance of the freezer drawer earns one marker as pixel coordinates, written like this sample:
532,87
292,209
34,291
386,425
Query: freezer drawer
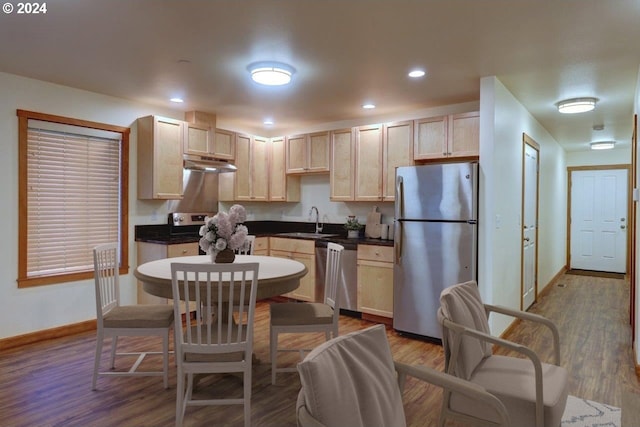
433,256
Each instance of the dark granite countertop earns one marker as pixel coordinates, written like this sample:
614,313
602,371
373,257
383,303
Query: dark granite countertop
161,233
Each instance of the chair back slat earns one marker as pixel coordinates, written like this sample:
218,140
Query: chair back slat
213,289
247,249
106,278
333,274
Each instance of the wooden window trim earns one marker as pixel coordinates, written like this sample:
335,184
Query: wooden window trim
23,121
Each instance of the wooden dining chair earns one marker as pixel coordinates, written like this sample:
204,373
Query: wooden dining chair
214,343
115,320
294,317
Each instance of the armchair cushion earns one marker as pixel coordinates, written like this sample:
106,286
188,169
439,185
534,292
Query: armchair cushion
462,304
512,380
351,381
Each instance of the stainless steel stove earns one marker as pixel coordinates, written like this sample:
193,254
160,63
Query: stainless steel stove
187,224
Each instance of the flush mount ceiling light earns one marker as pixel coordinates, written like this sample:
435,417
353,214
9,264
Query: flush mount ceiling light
416,73
271,73
368,106
177,100
576,105
603,145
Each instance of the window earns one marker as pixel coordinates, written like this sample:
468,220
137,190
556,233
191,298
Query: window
73,192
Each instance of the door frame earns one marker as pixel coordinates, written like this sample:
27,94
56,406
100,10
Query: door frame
571,169
527,140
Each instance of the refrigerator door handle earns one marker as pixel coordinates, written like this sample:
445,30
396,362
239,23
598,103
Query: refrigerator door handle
398,213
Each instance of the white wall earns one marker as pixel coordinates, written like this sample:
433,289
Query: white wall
503,120
618,156
44,307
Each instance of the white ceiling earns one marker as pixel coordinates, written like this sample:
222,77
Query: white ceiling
346,52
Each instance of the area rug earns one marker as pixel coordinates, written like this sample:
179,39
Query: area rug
586,413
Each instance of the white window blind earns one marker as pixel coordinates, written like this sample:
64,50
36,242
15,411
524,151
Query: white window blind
73,197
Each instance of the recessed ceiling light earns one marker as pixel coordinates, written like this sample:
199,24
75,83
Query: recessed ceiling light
416,73
271,73
368,106
576,105
177,100
603,145
268,122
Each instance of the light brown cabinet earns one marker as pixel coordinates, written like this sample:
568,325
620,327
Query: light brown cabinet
224,144
160,145
368,163
447,137
282,187
252,161
304,252
261,246
397,144
154,251
198,139
341,172
308,153
375,280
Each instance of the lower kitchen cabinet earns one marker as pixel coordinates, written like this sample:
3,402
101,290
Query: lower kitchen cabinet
303,251
261,246
375,280
153,251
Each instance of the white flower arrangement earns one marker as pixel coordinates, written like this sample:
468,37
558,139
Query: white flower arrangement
224,230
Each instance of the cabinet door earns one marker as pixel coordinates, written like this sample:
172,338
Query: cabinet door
318,152
307,289
430,141
398,151
259,169
341,175
243,174
224,144
297,161
369,163
375,288
282,187
261,246
167,162
198,139
464,135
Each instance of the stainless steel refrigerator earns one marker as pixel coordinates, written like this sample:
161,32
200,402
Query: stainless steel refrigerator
436,240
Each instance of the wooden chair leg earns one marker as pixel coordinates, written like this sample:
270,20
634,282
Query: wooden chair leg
96,365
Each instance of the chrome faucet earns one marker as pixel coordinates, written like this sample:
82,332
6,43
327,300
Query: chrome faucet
318,225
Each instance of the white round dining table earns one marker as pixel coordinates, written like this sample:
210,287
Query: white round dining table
276,276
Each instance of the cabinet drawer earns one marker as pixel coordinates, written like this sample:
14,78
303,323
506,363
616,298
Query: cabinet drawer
375,253
182,249
292,245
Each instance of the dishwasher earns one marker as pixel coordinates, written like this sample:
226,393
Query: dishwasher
348,285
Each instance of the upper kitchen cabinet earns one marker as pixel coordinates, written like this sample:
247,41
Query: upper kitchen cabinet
282,187
224,144
198,139
343,160
160,144
252,161
369,163
397,150
446,137
308,153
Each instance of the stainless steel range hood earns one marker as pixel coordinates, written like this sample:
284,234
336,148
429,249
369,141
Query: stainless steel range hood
207,164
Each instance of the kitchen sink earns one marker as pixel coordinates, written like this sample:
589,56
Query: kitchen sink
307,235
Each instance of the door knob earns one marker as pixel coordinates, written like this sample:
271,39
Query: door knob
526,239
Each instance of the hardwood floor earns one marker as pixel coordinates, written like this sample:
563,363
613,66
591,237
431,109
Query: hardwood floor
49,383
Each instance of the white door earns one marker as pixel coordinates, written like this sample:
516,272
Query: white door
599,220
529,226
